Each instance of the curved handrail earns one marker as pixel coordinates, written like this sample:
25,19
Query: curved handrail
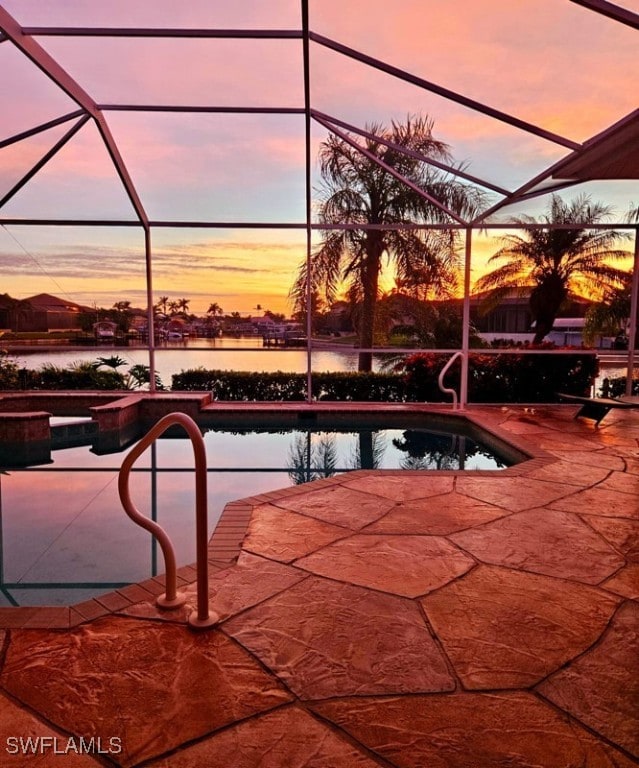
171,599
440,380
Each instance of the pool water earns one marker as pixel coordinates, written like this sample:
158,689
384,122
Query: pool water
64,536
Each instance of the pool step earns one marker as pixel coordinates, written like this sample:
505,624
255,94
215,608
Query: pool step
73,433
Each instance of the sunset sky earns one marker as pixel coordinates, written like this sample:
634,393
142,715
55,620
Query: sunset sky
549,62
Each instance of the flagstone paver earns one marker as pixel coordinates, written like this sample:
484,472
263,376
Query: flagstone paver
507,629
599,501
25,741
397,619
512,493
468,729
619,481
601,688
564,444
286,738
250,581
541,541
594,458
403,565
588,474
339,505
328,639
436,515
403,486
625,582
153,686
297,535
622,534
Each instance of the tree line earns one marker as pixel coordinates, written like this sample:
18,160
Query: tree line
390,182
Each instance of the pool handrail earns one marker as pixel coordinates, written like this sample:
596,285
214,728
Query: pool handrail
203,617
440,380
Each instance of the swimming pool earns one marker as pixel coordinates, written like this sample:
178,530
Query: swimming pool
64,536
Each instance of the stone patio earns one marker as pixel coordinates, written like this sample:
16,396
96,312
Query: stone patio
417,620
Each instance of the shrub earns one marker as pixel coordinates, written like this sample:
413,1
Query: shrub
79,375
492,379
9,372
244,386
503,378
617,387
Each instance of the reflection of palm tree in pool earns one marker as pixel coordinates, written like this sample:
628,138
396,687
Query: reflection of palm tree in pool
314,456
369,450
311,459
430,450
427,450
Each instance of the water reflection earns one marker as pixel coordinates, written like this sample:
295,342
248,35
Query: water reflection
431,450
313,456
64,536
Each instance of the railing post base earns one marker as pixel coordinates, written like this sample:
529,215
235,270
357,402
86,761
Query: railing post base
165,604
197,623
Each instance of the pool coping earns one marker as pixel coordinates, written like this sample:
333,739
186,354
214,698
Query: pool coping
225,543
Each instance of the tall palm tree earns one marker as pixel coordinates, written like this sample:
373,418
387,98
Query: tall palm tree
551,262
357,190
162,305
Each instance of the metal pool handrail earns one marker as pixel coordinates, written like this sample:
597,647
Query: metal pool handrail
440,380
201,618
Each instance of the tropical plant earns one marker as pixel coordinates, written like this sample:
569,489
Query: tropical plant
162,305
139,375
214,309
611,315
9,371
121,314
136,377
552,261
357,189
113,361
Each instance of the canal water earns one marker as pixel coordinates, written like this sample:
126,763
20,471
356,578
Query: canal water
227,353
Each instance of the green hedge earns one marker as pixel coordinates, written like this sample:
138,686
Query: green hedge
492,379
243,386
78,377
617,387
506,378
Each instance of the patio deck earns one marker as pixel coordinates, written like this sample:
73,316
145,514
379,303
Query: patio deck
373,619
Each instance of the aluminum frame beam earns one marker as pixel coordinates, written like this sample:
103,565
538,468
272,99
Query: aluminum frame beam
288,225
45,159
42,127
408,152
623,15
164,32
458,98
34,51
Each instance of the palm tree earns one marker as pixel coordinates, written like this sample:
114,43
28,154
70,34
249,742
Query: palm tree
214,309
555,261
611,315
162,305
357,190
122,314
